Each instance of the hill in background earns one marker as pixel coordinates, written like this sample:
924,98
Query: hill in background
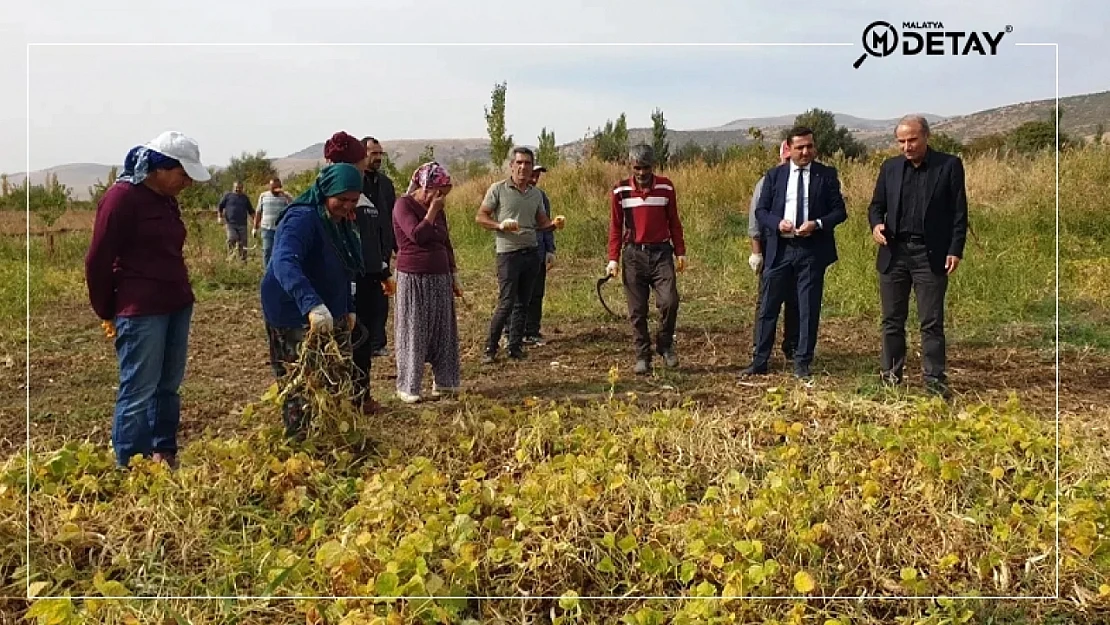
1082,115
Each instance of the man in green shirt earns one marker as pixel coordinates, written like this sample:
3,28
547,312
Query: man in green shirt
513,209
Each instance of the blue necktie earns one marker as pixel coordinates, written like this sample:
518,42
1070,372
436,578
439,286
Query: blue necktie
799,214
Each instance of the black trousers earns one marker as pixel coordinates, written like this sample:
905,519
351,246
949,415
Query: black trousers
796,268
909,268
644,271
516,276
535,306
790,320
371,309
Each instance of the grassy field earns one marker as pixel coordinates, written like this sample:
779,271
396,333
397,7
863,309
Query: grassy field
566,477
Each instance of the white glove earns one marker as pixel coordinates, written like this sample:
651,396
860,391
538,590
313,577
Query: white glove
319,318
611,268
508,225
550,260
755,261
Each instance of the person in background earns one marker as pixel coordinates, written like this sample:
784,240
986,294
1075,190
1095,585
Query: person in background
758,236
138,284
235,210
377,186
316,256
918,217
271,204
644,223
426,328
513,209
546,251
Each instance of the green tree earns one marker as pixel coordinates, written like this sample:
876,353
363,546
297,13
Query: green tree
829,138
611,142
548,152
659,141
427,155
97,191
985,144
756,134
944,142
1099,131
686,153
253,170
203,195
389,168
1033,137
499,142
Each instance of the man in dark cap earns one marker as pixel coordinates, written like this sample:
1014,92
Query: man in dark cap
644,223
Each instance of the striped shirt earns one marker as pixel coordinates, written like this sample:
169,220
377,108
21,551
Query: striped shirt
653,213
271,206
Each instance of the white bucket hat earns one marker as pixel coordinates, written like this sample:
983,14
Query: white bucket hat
184,149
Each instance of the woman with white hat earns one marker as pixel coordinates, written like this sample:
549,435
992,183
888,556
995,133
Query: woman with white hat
139,285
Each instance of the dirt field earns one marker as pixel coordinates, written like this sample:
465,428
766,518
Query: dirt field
73,370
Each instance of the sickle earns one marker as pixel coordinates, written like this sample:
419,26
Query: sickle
601,282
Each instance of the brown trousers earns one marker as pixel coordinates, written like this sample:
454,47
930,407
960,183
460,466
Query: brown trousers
646,269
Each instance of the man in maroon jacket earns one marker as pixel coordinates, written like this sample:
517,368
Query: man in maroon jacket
644,220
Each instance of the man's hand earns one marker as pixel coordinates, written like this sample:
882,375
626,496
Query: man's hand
109,328
254,232
560,221
755,261
786,226
611,269
508,225
389,287
680,264
456,288
878,233
550,260
950,264
350,321
806,229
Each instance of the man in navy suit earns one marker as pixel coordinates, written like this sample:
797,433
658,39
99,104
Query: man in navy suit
801,203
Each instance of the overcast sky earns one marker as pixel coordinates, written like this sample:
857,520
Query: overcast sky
90,104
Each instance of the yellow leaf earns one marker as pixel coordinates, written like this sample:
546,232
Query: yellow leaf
34,589
997,473
1104,590
803,582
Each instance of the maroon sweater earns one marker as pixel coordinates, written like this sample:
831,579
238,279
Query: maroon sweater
135,264
422,247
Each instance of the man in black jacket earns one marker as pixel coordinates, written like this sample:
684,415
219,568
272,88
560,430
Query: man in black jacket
380,190
918,216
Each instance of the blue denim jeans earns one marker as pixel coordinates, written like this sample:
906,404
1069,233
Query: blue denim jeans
152,351
267,245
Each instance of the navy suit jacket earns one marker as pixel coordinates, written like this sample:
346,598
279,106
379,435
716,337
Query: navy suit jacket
825,203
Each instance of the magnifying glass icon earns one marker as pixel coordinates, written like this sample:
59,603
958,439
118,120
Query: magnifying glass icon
879,39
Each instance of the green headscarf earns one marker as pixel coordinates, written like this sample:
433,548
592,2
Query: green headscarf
334,180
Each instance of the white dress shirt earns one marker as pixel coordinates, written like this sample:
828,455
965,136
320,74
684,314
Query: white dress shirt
792,196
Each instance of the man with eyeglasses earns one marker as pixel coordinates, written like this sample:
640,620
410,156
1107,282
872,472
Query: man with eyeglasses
644,222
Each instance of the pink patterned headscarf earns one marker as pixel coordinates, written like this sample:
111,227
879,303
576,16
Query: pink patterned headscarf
784,152
429,176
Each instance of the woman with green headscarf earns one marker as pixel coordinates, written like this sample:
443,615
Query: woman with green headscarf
307,286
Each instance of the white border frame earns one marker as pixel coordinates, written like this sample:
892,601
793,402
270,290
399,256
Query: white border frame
27,380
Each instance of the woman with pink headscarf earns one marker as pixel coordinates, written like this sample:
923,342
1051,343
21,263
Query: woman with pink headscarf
755,261
426,330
